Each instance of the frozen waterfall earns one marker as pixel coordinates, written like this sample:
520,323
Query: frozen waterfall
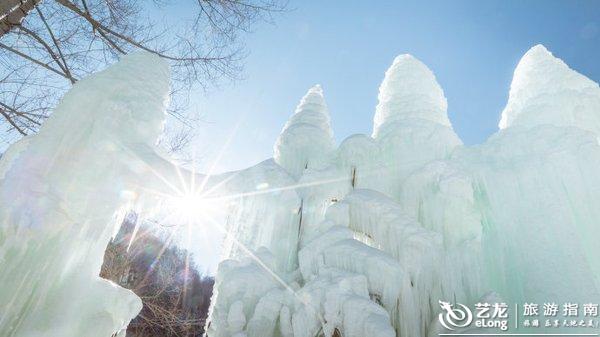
382,228
361,239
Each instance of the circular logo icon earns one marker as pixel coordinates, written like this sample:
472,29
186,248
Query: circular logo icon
452,317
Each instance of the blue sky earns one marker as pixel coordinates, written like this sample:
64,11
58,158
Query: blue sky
471,46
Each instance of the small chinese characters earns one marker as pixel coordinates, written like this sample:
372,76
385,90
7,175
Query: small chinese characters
564,315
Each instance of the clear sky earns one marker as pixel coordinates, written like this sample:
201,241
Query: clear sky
346,46
471,46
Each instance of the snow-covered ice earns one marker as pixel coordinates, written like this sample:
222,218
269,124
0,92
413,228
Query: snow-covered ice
63,195
362,239
388,225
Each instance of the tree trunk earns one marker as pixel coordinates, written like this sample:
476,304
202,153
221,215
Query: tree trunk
12,13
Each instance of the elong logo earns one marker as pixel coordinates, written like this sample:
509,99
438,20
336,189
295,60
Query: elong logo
455,317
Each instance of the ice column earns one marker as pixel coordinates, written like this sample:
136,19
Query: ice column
62,195
410,124
306,140
538,190
544,90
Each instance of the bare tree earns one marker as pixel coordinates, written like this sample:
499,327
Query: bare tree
174,294
46,46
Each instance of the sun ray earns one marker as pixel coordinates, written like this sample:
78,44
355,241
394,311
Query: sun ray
154,192
199,201
221,183
364,173
164,247
279,189
220,155
186,271
181,178
215,224
127,150
136,228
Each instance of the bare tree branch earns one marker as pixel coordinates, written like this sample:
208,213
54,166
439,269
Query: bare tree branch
31,59
65,67
11,121
46,46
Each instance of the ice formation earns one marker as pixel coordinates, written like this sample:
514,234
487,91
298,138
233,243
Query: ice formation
546,91
63,193
307,138
363,239
374,233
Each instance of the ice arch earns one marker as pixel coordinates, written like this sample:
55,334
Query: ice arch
62,193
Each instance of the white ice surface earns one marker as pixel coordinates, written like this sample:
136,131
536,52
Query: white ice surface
63,194
390,224
306,139
359,240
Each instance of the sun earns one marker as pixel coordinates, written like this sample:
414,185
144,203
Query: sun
193,207
189,205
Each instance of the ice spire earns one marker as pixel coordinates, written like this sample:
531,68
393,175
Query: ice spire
409,90
307,138
544,90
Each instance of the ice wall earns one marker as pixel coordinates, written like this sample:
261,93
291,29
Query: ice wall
63,193
538,194
349,222
260,187
390,224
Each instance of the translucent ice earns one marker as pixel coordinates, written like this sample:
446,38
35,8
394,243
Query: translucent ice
307,138
63,193
390,224
545,90
409,90
360,240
